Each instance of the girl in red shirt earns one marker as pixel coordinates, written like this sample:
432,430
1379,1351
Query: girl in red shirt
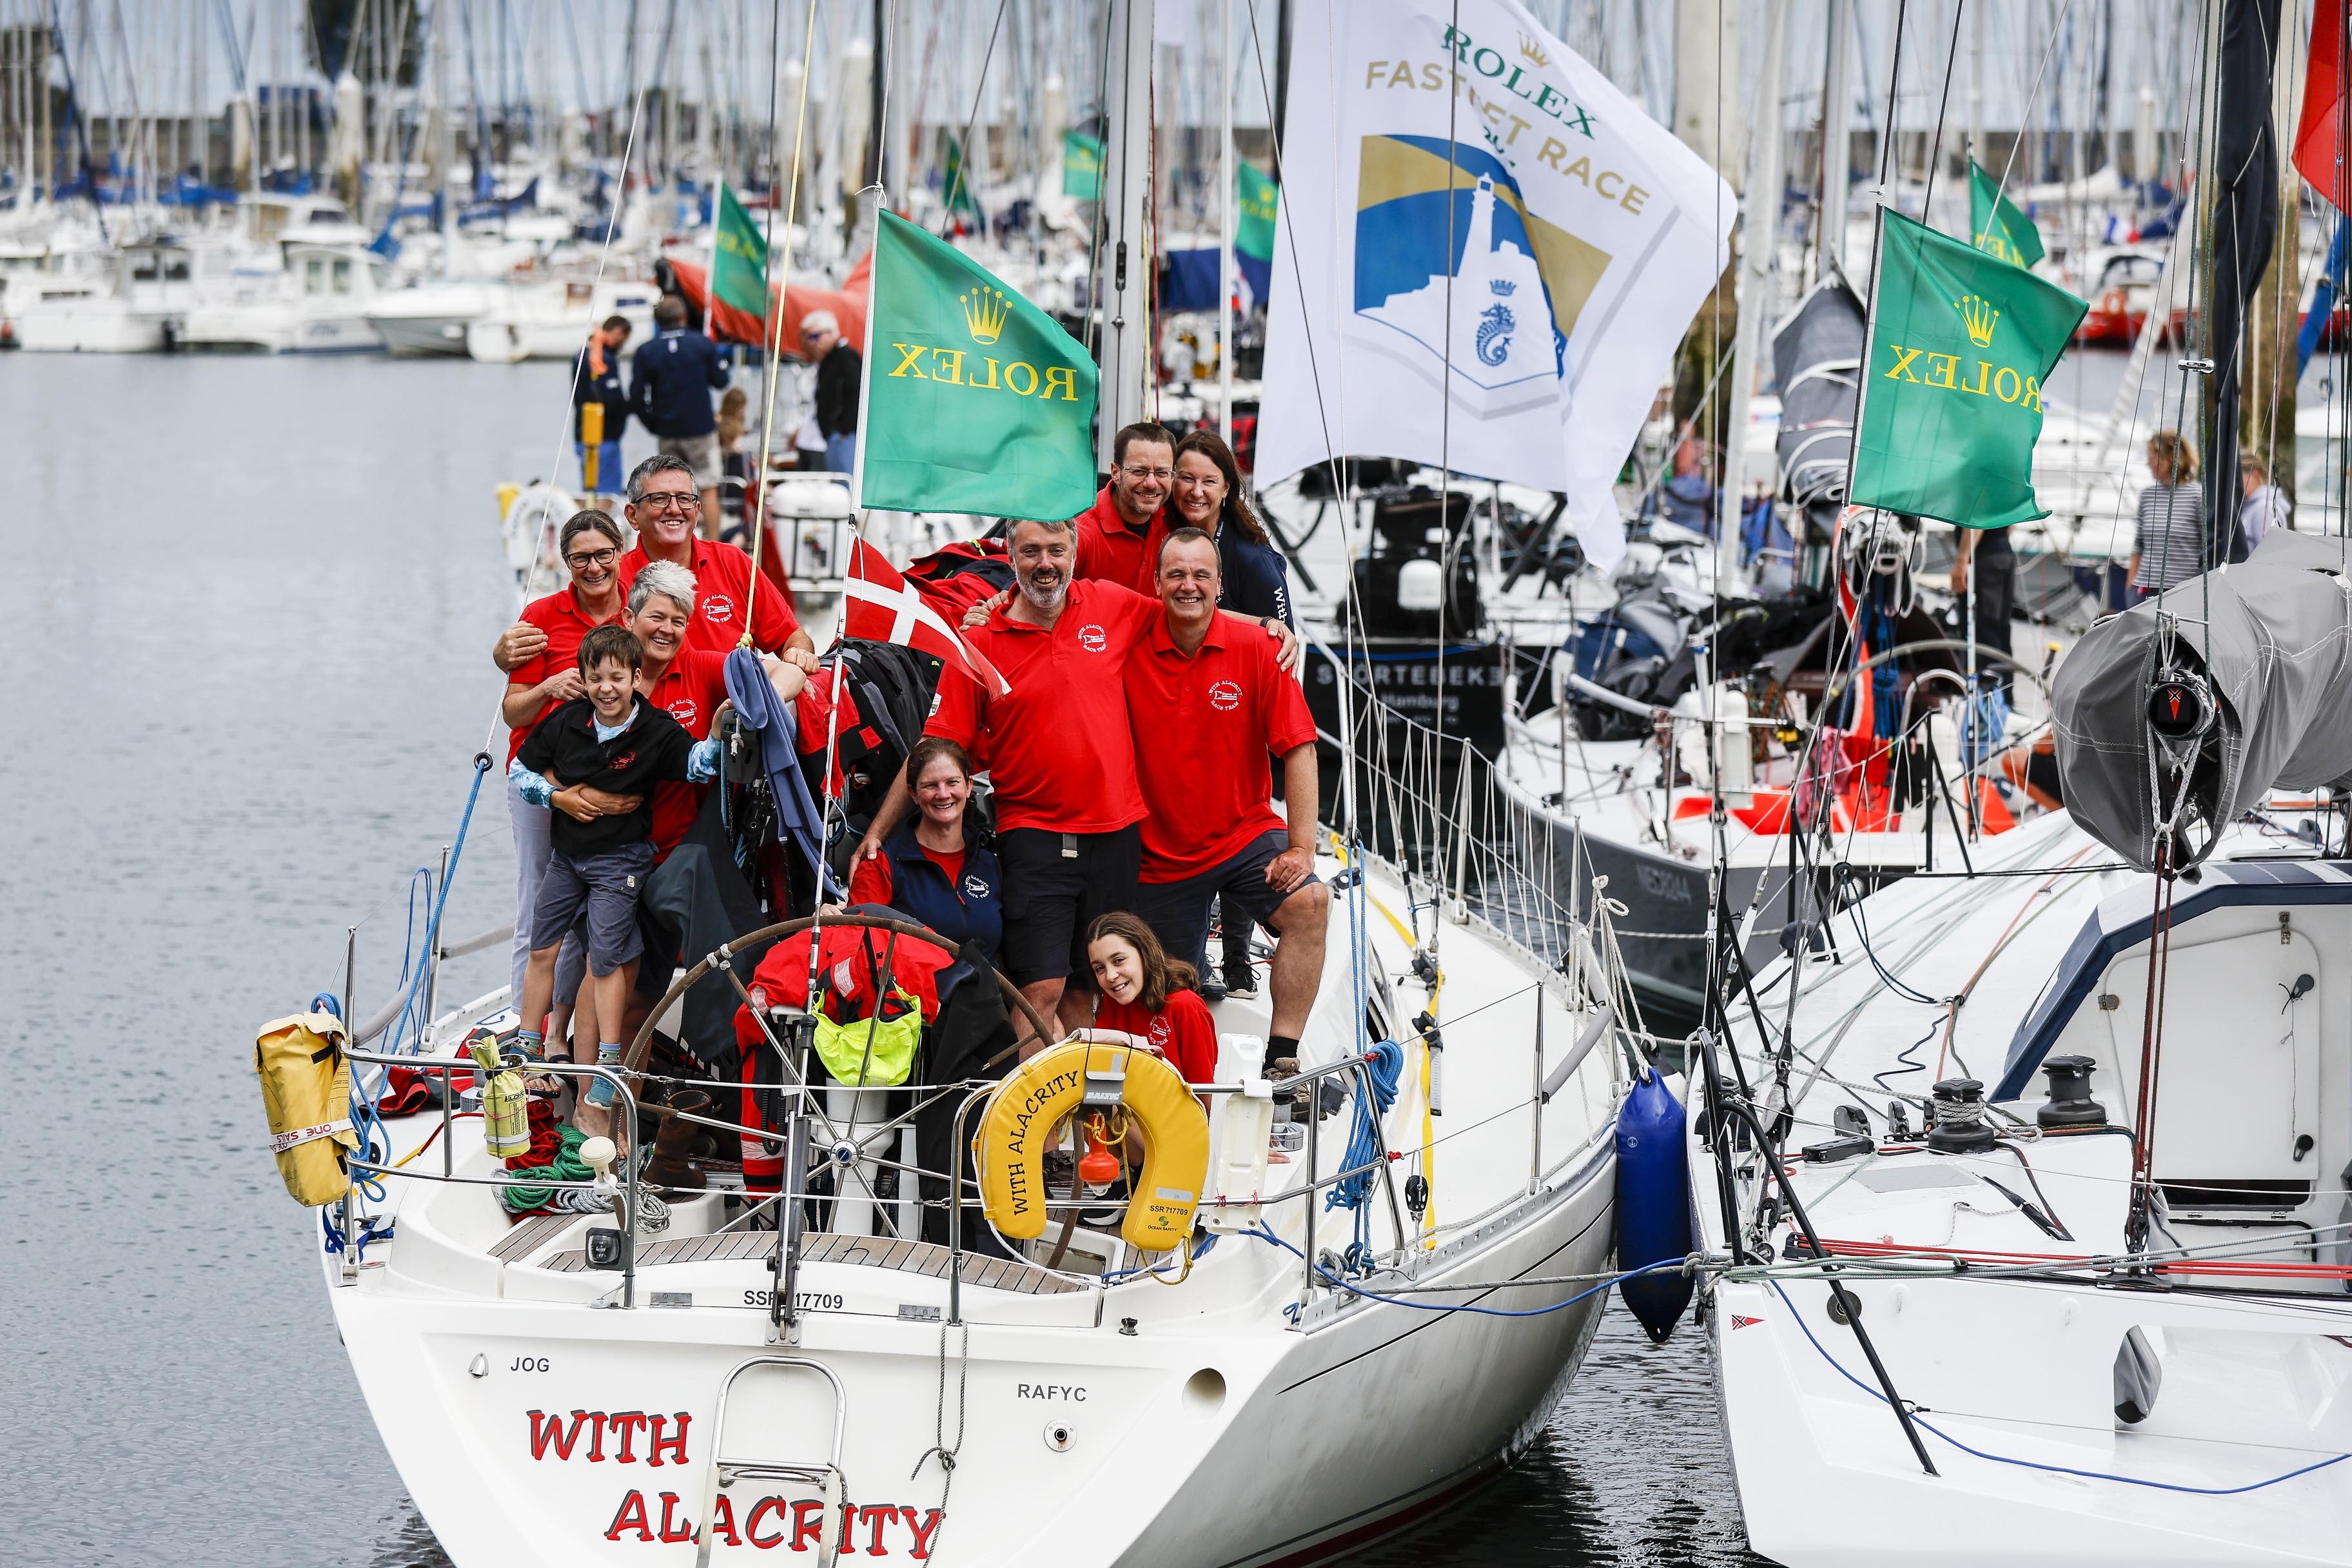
1150,995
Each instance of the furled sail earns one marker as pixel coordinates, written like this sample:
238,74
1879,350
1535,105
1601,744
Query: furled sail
2271,641
1816,356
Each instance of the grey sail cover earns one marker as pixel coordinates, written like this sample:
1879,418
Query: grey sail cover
1816,356
2276,647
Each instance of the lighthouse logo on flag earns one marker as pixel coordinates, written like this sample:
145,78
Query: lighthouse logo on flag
1497,272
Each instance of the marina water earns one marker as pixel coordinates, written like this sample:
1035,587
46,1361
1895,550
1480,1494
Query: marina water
253,605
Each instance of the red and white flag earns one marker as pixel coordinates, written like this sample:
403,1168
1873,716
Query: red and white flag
883,607
2319,136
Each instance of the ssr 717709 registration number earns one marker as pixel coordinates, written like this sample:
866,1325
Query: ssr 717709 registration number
804,1300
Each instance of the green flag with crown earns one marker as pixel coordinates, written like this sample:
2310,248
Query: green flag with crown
975,400
739,272
1082,166
1961,344
1995,226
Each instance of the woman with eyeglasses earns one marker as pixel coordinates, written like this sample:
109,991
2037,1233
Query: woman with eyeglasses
1208,496
548,677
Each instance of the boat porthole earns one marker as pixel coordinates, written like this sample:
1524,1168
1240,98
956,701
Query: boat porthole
1204,1391
1059,1436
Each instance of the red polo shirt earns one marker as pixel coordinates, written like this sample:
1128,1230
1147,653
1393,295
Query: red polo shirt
1185,1031
1057,746
722,581
1109,548
689,691
1205,724
565,623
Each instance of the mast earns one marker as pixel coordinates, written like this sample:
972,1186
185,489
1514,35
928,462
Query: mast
1123,280
1759,233
1225,228
1837,136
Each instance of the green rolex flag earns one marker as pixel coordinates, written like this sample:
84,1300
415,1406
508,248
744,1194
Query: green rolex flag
1082,166
975,401
1960,343
957,186
1995,226
1253,204
738,272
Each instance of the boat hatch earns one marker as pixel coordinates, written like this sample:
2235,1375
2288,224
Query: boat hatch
2114,929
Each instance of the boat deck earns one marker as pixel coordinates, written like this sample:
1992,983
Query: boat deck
873,1252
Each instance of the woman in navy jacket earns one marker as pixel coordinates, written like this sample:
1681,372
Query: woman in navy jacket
936,871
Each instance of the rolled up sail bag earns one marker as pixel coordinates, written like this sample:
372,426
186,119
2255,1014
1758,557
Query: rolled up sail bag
306,1087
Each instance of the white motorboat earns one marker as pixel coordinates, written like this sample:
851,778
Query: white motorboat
553,320
429,319
316,303
733,1387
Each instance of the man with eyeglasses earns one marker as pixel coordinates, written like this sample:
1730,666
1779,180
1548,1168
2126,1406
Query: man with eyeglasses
1114,532
663,504
674,376
838,369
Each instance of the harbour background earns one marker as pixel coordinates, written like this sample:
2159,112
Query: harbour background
253,606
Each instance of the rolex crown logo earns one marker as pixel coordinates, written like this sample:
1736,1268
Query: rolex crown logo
1532,52
984,312
1978,314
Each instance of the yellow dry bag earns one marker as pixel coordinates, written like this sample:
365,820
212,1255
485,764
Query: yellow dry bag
306,1087
1023,1116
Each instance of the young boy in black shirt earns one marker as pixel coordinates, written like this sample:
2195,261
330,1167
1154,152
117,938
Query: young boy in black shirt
598,864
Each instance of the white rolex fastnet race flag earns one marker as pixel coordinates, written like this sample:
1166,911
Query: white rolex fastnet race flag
1485,257
881,606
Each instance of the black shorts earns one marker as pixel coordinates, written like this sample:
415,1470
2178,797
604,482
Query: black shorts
1051,897
1177,913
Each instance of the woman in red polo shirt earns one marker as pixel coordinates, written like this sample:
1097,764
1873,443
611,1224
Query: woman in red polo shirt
590,544
1150,995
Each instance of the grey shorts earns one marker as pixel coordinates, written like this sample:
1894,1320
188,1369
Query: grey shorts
1177,913
698,453
604,888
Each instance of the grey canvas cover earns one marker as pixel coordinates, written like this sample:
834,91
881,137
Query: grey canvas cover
1816,357
2273,637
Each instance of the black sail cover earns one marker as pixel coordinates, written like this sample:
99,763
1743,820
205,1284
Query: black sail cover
1816,358
2244,232
2275,646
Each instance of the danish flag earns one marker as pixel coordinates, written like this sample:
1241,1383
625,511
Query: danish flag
881,606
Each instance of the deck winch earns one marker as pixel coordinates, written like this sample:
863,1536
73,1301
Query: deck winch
1960,1126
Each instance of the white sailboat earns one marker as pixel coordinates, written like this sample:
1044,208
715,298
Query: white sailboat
1362,1311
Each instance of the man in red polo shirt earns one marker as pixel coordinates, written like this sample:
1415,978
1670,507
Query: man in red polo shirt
1210,702
1112,532
1060,757
665,507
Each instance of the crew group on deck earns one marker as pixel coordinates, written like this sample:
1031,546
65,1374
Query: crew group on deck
1149,697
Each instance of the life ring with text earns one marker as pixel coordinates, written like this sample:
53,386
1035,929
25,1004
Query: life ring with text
1025,1115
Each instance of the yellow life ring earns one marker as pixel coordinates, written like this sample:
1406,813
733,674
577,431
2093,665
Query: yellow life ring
1023,1117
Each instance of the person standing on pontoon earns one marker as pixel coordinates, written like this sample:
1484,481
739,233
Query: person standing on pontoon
1210,702
596,383
2265,505
839,368
671,381
2170,545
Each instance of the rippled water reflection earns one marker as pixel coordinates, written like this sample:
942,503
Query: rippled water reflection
253,599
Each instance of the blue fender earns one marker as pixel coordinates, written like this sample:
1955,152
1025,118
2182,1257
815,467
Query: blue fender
1653,1205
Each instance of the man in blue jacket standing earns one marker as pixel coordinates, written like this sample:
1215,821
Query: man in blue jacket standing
670,394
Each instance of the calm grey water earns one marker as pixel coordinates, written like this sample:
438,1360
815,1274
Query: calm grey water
252,605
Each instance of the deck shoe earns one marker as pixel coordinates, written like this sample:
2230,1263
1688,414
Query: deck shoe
1240,979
